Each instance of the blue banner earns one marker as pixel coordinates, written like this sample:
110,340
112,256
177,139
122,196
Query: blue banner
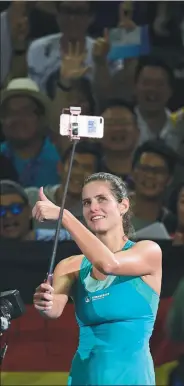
128,44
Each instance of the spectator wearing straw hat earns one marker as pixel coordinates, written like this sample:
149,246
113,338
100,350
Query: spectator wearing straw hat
24,116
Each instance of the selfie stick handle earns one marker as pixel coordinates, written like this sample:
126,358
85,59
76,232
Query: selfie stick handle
73,137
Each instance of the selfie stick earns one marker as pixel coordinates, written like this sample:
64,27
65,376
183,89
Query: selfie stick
73,135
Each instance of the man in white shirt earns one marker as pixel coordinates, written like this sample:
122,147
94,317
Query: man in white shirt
45,54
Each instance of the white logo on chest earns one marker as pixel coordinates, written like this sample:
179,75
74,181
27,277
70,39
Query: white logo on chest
89,299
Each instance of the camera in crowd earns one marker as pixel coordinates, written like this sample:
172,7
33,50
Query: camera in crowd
11,307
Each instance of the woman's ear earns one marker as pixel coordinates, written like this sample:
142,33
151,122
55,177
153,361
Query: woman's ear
124,206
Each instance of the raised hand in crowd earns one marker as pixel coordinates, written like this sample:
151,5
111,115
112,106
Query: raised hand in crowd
126,16
101,47
72,66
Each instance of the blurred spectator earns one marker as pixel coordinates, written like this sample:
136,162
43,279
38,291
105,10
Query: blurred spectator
178,120
85,162
46,54
14,40
153,166
24,115
70,54
7,170
168,23
154,83
120,139
177,207
21,22
16,216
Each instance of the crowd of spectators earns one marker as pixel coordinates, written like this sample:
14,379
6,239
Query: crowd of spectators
52,57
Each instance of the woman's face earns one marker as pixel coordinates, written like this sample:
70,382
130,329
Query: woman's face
180,207
101,210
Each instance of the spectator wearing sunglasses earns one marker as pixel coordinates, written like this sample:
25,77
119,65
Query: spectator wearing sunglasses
16,216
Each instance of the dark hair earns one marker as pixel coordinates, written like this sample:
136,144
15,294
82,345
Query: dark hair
153,61
84,147
11,187
116,102
173,199
58,4
119,190
84,86
159,147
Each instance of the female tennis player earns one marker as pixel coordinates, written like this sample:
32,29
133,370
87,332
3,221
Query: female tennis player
115,285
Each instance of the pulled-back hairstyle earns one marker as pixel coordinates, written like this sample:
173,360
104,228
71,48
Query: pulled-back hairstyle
120,191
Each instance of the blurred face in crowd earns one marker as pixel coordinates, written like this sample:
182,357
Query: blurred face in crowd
83,165
78,98
151,175
153,89
21,120
180,208
121,132
74,18
15,217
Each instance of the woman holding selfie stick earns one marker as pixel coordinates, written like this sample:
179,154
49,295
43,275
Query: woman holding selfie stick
115,285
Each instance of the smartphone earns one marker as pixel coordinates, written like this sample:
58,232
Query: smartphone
82,126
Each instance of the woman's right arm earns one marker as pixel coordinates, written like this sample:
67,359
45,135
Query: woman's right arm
49,300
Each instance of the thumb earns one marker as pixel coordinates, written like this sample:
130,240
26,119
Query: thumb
42,196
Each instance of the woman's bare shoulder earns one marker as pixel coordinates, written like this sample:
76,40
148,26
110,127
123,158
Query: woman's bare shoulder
69,265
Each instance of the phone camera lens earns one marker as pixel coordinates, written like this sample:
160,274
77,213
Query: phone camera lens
75,132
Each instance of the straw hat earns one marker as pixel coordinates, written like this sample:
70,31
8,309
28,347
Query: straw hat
25,87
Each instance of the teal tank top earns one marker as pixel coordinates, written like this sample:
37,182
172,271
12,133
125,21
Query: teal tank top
116,319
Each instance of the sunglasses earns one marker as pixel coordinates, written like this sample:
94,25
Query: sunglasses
14,209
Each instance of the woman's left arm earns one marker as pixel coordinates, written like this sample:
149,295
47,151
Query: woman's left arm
144,258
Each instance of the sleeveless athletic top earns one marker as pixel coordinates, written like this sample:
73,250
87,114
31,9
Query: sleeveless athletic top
116,318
